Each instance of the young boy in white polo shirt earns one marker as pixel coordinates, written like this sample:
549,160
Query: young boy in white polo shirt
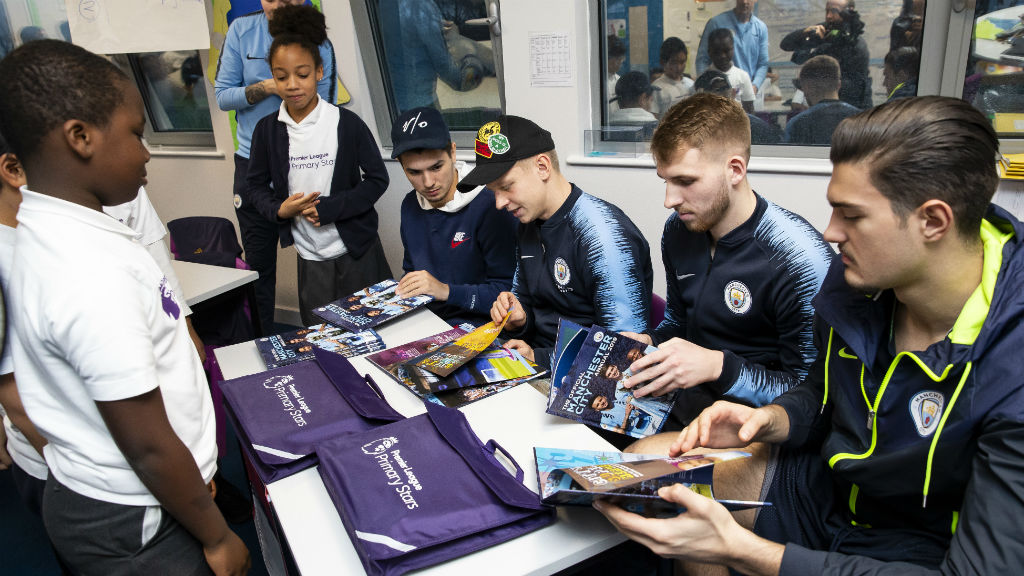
106,369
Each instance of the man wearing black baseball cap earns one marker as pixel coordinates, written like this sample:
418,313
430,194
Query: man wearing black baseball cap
458,247
580,258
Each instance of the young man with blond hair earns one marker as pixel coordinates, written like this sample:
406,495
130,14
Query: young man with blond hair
901,452
741,272
578,257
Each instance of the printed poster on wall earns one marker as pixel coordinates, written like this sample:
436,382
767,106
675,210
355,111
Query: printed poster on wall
124,26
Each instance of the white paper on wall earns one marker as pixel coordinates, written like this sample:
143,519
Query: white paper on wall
120,26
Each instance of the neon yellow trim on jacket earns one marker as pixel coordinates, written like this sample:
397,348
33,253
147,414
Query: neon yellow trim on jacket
972,317
878,400
935,440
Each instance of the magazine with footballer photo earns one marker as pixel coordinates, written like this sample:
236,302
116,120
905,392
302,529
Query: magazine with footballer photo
370,307
493,365
450,357
591,390
576,477
297,345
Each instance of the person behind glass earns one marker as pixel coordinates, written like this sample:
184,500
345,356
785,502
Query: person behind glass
672,85
616,56
820,81
899,76
244,85
720,49
841,37
418,54
907,27
458,247
750,34
315,172
635,95
715,82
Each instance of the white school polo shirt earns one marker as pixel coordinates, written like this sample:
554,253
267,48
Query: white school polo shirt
97,321
312,152
141,216
20,449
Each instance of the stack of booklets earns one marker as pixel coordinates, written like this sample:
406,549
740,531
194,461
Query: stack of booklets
490,372
576,477
297,346
370,307
586,382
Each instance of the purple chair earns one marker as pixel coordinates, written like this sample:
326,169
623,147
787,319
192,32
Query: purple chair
657,311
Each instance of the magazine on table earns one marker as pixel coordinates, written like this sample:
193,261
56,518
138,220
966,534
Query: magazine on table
452,356
370,306
406,352
495,364
297,345
391,362
576,477
587,385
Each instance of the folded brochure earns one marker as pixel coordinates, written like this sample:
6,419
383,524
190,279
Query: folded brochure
370,307
576,477
586,383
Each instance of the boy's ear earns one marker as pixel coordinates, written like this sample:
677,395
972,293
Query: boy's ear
11,172
80,137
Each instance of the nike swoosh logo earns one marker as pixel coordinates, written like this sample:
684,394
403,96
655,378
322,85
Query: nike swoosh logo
683,276
454,243
525,257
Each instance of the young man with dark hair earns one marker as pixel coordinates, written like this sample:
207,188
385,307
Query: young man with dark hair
840,36
901,452
105,366
459,248
672,85
579,257
751,36
899,76
741,273
820,80
634,94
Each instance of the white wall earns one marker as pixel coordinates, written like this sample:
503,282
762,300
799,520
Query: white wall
188,186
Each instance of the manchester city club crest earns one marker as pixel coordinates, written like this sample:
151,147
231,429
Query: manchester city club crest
561,271
926,411
737,297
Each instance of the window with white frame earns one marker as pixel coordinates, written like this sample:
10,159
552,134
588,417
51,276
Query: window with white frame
171,83
885,49
440,53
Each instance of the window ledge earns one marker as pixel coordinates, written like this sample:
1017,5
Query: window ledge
801,166
157,150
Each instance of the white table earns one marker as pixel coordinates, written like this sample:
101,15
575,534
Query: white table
515,418
200,282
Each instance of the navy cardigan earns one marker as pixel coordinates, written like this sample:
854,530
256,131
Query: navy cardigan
360,178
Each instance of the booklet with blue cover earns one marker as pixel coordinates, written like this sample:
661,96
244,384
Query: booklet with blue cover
576,477
297,345
370,307
586,383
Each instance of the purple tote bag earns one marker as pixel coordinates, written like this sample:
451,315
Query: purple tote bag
282,414
423,490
